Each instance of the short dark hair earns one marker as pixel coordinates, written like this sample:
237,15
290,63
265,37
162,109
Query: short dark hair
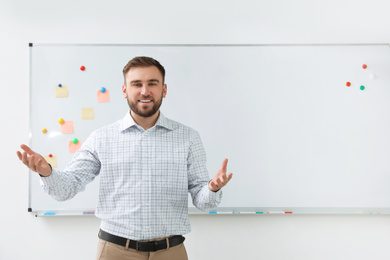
143,61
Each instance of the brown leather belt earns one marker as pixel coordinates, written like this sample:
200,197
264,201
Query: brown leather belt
150,246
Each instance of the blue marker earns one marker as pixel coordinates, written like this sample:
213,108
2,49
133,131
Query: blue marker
49,214
213,212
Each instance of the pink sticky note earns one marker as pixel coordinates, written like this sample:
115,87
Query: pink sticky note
74,147
103,97
67,127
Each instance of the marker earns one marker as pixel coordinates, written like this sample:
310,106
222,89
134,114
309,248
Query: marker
212,212
221,212
275,212
250,212
49,214
88,212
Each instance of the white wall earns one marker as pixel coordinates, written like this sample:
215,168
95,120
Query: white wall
173,21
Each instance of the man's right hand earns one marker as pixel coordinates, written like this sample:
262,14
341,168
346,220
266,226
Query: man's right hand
34,161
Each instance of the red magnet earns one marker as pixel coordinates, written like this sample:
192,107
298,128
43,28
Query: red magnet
50,155
364,66
82,68
348,84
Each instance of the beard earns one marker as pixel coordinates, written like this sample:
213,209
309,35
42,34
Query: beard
143,112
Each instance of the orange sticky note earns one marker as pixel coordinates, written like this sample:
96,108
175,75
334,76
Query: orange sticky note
67,127
52,160
74,147
103,97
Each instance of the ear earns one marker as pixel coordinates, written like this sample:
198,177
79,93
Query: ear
164,90
124,91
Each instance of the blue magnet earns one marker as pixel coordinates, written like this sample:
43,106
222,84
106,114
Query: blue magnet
102,89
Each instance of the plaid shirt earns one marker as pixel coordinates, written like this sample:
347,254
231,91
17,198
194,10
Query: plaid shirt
145,177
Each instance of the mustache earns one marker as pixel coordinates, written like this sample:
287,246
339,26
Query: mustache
145,97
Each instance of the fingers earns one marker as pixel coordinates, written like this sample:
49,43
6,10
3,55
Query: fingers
19,154
32,164
224,165
25,159
27,149
221,178
34,161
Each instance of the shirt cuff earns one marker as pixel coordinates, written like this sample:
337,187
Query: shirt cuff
215,195
52,179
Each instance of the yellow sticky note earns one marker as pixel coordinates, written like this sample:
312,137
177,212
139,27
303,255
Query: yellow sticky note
52,160
67,127
74,147
87,113
103,97
61,92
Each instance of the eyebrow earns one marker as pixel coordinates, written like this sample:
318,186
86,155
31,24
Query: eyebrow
150,80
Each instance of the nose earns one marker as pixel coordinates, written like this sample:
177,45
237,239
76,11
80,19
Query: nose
145,91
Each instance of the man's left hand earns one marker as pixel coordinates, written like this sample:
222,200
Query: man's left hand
221,178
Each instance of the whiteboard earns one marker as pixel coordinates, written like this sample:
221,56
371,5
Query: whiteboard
297,138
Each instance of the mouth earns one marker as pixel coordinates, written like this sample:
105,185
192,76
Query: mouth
145,101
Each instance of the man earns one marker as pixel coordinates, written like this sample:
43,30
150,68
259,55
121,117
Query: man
147,165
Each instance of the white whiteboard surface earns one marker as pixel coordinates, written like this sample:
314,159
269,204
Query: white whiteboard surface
297,138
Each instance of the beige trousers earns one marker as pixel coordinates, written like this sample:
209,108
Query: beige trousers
110,251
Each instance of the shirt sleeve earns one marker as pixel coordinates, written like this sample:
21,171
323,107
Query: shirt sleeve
198,178
84,167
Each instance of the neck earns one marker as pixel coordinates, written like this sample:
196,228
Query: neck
145,122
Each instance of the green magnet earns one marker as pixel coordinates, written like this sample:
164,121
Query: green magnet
362,87
75,140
